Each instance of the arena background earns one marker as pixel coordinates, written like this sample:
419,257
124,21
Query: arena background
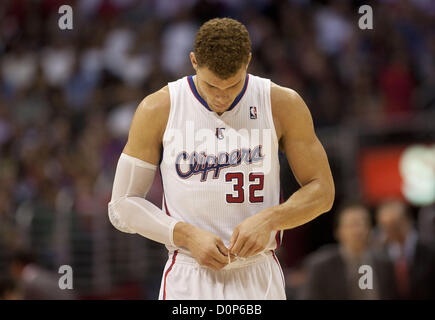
67,98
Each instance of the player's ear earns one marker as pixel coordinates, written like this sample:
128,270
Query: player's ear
193,61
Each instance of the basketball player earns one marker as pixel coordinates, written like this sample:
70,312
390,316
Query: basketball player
215,137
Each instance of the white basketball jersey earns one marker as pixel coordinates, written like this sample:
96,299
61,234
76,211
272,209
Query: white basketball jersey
219,170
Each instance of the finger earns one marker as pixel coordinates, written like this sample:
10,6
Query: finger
217,264
247,248
218,256
257,251
234,237
232,257
222,249
211,263
238,245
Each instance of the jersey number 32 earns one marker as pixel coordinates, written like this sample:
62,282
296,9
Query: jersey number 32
256,184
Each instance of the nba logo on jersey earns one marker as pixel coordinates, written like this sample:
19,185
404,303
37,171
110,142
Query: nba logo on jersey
253,112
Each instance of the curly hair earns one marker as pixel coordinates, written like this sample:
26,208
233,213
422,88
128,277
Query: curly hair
223,46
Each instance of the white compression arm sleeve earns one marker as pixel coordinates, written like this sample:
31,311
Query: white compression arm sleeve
129,211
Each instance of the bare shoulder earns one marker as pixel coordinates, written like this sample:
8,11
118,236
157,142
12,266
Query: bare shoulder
148,126
155,107
290,113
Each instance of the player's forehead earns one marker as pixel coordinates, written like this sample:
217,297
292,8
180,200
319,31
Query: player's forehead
212,79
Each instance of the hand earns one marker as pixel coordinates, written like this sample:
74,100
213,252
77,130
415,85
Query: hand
251,236
207,248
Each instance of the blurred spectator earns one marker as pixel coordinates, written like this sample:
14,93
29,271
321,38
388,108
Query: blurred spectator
19,68
34,282
295,279
57,62
426,224
333,27
413,259
333,271
397,85
177,41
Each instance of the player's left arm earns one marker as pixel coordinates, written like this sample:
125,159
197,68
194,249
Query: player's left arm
307,159
309,163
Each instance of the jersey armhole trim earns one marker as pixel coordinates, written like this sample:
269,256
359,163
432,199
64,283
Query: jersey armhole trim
270,112
171,113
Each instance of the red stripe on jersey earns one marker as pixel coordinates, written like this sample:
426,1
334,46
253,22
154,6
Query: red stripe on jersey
278,235
166,273
166,207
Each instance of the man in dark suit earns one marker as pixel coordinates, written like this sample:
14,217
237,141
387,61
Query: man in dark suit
33,281
334,271
413,259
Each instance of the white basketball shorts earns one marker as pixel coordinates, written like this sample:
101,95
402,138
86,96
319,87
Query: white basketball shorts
255,278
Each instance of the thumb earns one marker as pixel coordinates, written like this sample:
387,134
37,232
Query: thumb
221,247
234,238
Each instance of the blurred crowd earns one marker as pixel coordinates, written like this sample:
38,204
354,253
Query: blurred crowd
390,260
67,98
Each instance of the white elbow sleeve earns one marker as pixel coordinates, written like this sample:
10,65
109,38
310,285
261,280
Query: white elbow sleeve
128,209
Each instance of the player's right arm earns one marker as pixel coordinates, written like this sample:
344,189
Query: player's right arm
130,212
